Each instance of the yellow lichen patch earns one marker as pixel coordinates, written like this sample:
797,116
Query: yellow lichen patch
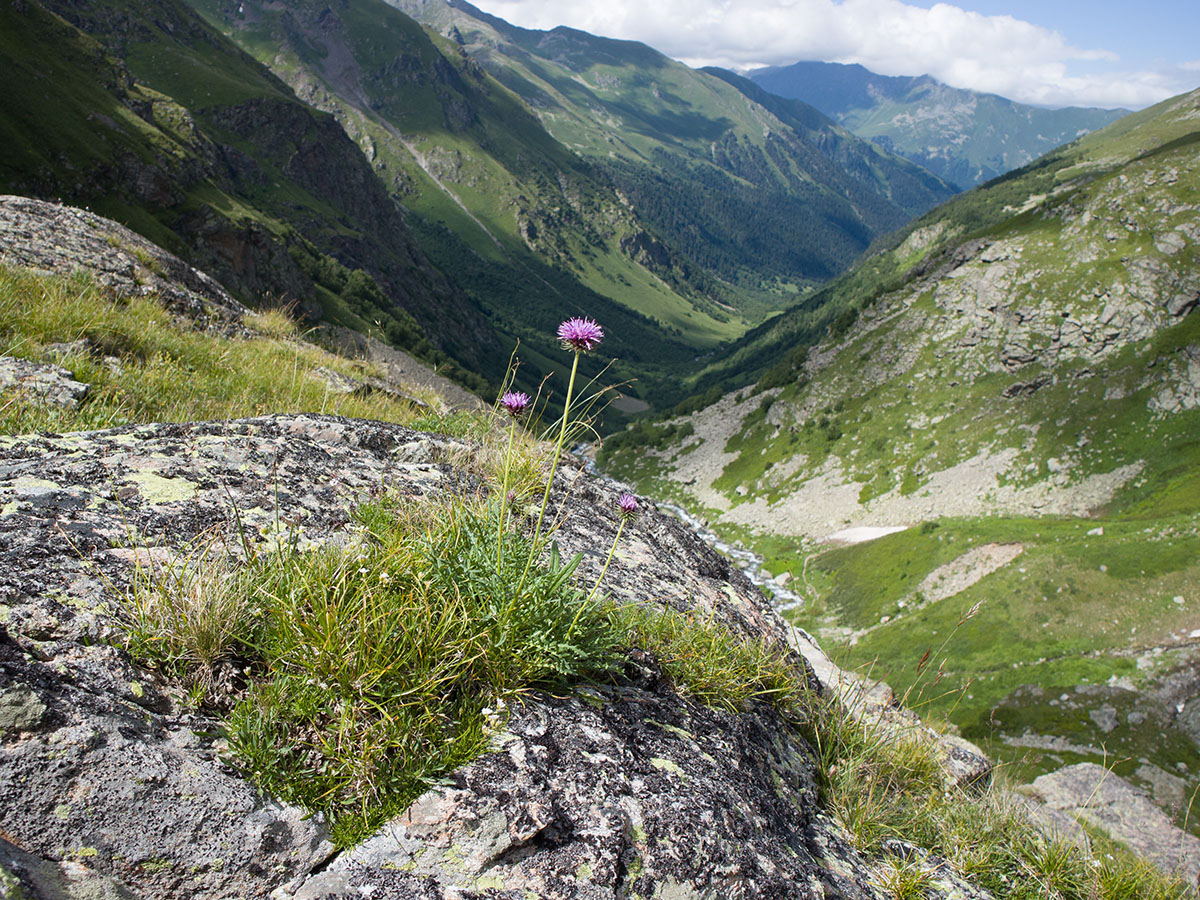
678,732
156,489
666,765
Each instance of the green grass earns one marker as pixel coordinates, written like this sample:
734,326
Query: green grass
882,787
377,665
71,97
707,661
159,369
372,670
1057,633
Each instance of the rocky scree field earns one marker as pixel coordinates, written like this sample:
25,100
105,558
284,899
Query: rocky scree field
1014,383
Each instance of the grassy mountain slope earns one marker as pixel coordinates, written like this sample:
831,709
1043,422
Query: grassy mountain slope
1021,373
531,231
768,205
965,137
155,119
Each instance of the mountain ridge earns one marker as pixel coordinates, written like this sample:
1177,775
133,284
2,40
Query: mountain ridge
966,137
582,89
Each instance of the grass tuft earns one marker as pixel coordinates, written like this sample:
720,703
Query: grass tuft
144,365
275,323
189,614
705,660
371,666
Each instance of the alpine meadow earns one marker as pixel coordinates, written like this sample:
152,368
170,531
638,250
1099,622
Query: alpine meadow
451,457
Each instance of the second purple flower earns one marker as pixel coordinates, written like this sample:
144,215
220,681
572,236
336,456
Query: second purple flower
580,335
515,402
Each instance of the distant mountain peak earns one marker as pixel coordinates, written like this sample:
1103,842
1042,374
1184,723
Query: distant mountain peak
965,137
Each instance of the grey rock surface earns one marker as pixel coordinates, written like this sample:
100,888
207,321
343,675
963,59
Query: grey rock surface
48,384
1054,824
1110,803
608,791
337,383
401,367
621,792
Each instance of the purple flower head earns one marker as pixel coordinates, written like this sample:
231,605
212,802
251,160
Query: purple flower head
515,402
580,335
511,497
628,505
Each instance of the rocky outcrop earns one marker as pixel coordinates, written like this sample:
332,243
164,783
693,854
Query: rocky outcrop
1106,801
64,240
61,239
53,385
401,367
611,790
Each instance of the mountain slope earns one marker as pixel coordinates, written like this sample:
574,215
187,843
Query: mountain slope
724,209
765,205
1020,376
965,137
530,231
156,120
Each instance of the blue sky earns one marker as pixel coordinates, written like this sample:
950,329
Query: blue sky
1054,52
1142,33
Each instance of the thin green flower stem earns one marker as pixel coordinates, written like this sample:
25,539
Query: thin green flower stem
596,586
562,434
604,571
512,430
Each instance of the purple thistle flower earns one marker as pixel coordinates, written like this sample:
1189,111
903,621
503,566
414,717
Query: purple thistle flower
628,505
515,402
580,335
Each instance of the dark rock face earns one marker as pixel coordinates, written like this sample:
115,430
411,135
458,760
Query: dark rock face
102,778
652,253
611,791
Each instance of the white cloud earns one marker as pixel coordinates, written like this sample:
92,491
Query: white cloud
1000,54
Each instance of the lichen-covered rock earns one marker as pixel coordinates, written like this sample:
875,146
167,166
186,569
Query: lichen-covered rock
24,876
621,791
617,790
